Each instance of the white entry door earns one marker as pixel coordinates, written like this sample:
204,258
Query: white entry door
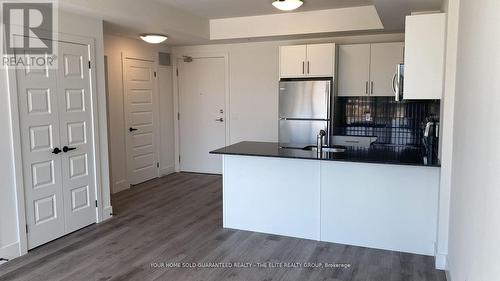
140,114
202,125
57,146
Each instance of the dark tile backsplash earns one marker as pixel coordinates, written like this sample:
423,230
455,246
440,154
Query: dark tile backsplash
393,122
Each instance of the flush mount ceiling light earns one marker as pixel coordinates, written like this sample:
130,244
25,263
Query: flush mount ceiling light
153,38
287,5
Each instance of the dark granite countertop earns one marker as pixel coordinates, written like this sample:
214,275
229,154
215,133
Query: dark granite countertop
380,154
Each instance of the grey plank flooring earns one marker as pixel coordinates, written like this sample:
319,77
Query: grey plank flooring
178,219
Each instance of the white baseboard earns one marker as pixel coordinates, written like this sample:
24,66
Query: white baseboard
441,261
10,251
107,213
448,275
167,170
120,186
448,272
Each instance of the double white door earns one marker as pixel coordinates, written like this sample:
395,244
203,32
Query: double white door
55,107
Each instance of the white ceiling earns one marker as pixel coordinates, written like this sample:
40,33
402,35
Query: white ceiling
215,9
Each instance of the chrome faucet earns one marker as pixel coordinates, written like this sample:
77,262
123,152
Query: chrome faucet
319,141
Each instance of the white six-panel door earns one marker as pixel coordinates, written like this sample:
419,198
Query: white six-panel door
140,104
55,111
75,119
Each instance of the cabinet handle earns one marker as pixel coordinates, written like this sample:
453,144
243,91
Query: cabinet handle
366,88
308,67
303,67
371,88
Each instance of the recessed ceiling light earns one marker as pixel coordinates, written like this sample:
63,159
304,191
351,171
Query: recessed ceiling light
153,38
287,5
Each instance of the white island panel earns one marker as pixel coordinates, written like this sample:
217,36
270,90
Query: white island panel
389,207
272,195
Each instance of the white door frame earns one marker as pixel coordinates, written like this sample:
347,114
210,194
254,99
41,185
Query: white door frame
227,115
156,113
16,140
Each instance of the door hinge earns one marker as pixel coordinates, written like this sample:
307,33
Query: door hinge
96,203
90,65
154,73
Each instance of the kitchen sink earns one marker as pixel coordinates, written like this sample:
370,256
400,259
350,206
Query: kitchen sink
334,149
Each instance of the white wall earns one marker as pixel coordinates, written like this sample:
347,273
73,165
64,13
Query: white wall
474,249
298,23
9,246
446,137
167,136
114,47
11,240
253,79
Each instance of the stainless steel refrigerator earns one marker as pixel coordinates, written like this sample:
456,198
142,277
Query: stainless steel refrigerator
304,110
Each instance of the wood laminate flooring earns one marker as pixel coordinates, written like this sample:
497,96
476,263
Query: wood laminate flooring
177,220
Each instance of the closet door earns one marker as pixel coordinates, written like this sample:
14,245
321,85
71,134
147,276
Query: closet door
39,124
55,109
75,112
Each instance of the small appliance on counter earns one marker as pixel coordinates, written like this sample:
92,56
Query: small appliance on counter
304,110
430,139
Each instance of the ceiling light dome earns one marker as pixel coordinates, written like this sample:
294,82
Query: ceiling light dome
287,5
153,38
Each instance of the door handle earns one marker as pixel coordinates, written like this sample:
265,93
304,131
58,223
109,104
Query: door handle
132,129
371,88
303,67
308,67
56,150
66,149
366,88
220,119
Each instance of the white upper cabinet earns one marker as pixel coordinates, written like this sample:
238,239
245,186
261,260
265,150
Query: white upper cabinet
315,60
368,69
320,60
354,70
424,56
293,61
384,59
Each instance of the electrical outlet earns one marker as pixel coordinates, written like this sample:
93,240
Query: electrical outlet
368,117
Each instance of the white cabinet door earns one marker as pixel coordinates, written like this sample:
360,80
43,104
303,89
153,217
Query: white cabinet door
424,56
320,60
354,70
384,60
293,61
140,110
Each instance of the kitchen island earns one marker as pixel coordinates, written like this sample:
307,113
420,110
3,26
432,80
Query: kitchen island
380,197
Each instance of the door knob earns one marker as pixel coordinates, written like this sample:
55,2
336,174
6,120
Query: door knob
132,129
220,119
56,150
66,149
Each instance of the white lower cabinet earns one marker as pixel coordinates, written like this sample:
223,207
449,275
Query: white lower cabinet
392,207
388,207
